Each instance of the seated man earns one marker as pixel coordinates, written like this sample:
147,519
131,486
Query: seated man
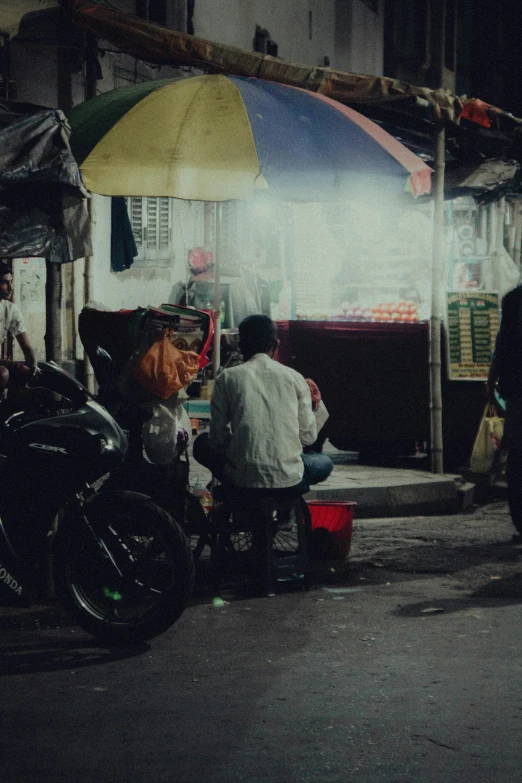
11,320
261,417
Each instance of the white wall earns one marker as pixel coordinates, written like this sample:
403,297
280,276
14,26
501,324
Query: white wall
140,286
359,37
234,22
131,288
29,294
346,31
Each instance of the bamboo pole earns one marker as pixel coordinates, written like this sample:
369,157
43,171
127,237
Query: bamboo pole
53,312
436,307
492,233
91,80
511,224
54,277
499,239
87,294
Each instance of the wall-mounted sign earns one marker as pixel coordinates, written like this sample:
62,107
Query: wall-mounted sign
472,326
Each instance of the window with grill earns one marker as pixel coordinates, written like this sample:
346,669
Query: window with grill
153,10
151,222
409,34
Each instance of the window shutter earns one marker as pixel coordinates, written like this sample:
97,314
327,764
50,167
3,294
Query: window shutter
151,224
158,229
135,210
164,224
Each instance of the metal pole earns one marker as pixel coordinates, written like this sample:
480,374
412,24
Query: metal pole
217,293
436,307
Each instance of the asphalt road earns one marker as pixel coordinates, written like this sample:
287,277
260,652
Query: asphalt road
404,668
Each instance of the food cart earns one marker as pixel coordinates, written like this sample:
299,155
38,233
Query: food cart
358,323
350,287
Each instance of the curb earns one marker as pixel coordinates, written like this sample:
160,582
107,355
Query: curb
430,498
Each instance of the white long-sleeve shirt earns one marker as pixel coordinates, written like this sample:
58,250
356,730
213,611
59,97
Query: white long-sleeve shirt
261,417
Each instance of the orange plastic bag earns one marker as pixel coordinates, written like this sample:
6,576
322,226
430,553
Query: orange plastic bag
164,369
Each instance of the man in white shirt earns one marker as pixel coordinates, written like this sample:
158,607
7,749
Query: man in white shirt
12,321
261,417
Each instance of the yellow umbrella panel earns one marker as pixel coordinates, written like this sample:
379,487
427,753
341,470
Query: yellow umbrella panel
188,139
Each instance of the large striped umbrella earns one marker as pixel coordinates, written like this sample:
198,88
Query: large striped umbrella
214,138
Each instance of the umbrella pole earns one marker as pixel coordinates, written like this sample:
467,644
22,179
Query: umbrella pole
217,294
436,308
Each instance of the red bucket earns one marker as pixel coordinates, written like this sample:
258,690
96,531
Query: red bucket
336,517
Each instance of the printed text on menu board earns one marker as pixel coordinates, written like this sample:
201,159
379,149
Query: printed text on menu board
473,321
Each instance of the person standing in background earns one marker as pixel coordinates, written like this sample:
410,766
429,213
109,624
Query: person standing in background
506,371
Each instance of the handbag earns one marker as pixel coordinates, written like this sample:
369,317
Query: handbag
164,369
487,442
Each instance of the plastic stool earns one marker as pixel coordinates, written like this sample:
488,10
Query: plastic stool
270,522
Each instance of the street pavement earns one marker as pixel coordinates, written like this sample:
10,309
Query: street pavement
402,666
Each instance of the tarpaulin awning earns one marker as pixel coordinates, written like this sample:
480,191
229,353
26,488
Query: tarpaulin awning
163,46
43,207
485,176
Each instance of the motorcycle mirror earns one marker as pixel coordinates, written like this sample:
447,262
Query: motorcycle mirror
102,356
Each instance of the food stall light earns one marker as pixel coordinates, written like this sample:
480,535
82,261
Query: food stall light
262,208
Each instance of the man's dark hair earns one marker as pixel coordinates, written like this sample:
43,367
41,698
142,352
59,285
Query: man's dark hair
6,267
257,334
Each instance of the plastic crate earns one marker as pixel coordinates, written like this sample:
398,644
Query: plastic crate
332,524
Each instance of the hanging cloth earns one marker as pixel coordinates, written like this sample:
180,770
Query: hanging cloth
123,246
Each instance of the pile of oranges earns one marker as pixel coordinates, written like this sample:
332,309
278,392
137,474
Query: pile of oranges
403,312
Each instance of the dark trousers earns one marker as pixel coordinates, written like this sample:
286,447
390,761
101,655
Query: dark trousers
514,482
317,467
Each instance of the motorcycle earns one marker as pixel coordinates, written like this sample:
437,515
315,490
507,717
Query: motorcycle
120,565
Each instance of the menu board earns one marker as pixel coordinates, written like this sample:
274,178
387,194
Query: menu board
473,321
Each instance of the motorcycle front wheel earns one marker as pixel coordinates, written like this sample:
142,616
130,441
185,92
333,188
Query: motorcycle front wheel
132,578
